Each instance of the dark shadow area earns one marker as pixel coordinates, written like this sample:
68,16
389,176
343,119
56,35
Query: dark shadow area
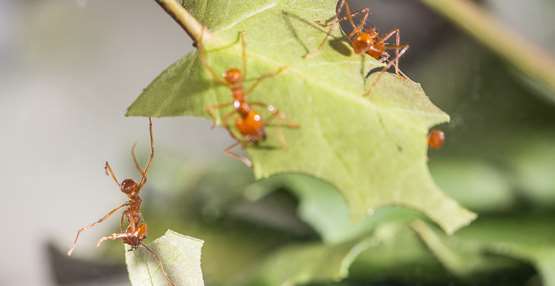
71,271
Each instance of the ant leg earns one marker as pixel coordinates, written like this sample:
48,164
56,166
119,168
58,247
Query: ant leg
122,220
105,217
228,151
204,62
387,67
263,77
398,44
362,23
150,157
113,236
225,124
321,44
110,172
398,55
157,258
275,114
211,110
243,53
334,21
397,47
137,165
279,115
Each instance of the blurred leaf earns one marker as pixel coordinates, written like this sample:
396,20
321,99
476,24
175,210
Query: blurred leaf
530,59
179,254
322,207
476,185
229,247
397,255
532,162
422,256
374,152
528,238
463,261
317,262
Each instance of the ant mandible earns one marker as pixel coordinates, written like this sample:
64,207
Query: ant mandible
249,123
136,230
367,40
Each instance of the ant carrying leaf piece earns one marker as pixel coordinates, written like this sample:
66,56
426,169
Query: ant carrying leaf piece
250,126
366,40
136,230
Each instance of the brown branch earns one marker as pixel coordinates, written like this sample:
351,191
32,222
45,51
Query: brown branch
189,24
529,58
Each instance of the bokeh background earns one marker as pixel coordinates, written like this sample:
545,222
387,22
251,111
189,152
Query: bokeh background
70,68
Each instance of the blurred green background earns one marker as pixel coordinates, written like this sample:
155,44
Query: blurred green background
70,68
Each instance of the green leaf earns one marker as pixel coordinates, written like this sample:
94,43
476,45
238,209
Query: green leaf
527,238
180,256
531,160
322,207
316,262
372,149
475,184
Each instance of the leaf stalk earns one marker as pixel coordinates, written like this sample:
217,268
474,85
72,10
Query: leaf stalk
190,25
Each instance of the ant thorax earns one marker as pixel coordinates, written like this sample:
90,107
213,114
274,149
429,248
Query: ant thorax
362,42
242,107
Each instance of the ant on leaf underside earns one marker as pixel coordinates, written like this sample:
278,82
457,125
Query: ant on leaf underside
250,125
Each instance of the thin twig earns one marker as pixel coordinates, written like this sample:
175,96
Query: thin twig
191,26
529,58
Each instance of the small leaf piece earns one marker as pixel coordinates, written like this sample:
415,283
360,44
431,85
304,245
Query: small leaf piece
180,256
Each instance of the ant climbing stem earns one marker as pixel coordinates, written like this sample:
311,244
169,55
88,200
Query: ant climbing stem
136,230
250,126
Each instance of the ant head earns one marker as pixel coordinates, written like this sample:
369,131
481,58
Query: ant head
232,75
128,186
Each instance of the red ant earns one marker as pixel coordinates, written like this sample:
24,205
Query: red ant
436,139
249,123
367,40
136,230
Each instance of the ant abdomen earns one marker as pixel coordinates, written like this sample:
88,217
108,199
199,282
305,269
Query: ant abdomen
251,125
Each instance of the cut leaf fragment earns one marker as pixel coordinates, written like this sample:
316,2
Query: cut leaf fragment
372,149
180,256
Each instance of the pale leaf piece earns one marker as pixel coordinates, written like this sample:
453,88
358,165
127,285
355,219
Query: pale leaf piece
180,255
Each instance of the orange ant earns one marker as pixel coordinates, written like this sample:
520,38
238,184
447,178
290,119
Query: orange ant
367,40
436,139
136,230
249,123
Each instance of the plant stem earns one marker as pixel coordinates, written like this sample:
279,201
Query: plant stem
529,58
189,24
